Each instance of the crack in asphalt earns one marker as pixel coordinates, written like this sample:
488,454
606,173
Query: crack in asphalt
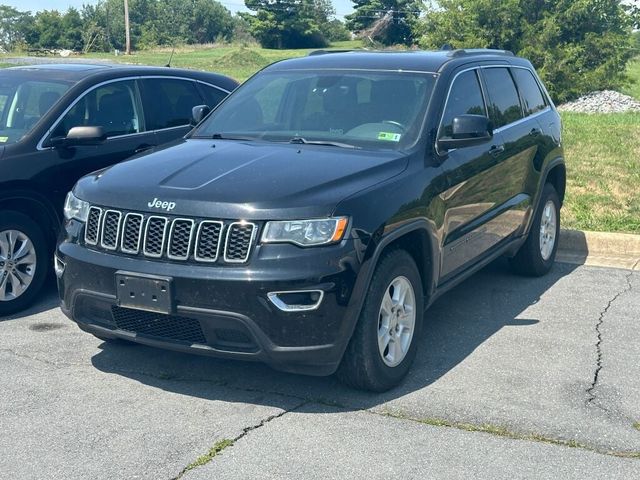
245,431
591,391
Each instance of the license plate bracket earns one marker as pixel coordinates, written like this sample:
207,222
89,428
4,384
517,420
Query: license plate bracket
144,292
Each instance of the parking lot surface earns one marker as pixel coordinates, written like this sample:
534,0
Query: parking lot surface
515,378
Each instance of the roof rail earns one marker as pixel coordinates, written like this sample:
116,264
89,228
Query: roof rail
325,52
479,51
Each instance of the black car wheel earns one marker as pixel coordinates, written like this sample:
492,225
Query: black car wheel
24,261
383,345
537,255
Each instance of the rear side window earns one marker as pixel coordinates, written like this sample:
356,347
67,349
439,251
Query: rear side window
529,91
465,98
504,103
168,102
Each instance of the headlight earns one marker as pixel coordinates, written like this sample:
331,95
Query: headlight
75,208
306,232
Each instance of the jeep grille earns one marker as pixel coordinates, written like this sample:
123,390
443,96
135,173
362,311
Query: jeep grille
180,239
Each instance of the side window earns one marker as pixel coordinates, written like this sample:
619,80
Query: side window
212,96
529,90
465,98
112,106
504,103
168,102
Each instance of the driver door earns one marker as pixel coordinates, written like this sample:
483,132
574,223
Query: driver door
116,108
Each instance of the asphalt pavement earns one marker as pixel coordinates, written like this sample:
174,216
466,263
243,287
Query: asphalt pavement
515,378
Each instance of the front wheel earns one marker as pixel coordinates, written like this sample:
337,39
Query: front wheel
383,345
24,261
538,253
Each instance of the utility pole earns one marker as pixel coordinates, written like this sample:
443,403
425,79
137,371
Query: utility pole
126,28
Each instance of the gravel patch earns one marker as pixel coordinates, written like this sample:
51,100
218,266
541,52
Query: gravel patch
606,101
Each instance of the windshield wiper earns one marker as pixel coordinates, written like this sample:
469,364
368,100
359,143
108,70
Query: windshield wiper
304,141
224,136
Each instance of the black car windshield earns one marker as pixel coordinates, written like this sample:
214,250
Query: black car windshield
362,109
24,99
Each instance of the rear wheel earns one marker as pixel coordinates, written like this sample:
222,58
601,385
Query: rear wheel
24,261
383,345
537,255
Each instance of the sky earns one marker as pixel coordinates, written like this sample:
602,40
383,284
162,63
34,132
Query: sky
342,7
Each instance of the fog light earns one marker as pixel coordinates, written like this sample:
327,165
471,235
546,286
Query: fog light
58,266
297,300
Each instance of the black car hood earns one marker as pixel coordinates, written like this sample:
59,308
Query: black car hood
240,180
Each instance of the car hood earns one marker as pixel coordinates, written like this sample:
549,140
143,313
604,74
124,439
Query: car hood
237,179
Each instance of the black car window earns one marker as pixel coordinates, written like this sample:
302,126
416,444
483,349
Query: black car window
529,90
112,106
504,103
465,98
212,96
23,102
168,102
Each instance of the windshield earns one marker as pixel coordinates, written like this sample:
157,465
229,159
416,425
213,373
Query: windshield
362,109
23,102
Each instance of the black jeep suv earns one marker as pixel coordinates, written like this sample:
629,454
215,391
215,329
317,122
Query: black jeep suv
314,215
59,122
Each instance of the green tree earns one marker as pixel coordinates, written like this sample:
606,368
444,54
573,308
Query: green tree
72,28
389,22
335,31
46,30
13,26
576,45
289,23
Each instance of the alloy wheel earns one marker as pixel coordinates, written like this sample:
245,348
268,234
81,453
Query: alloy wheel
17,264
396,322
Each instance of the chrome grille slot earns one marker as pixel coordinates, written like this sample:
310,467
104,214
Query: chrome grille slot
154,237
110,229
238,244
208,241
132,233
92,229
180,237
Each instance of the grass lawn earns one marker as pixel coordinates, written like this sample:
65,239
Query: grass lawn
235,61
633,71
603,179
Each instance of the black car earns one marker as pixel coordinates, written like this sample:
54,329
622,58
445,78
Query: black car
314,215
116,112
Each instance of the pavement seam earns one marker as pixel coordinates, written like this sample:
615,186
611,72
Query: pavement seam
591,391
503,432
219,447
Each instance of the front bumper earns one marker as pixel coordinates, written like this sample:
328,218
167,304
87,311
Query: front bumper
223,311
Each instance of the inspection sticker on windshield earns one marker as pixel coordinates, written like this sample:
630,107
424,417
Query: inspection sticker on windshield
389,137
4,139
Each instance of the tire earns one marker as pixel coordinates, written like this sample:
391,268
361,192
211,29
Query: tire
537,255
365,365
21,281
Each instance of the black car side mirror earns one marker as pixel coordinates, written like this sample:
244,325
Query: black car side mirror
79,136
198,113
468,130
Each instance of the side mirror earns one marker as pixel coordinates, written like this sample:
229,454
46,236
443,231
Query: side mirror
468,130
79,136
198,113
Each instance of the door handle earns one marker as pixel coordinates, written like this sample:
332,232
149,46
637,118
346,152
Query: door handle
496,150
535,132
142,148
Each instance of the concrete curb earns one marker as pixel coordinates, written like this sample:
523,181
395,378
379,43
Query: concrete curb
618,250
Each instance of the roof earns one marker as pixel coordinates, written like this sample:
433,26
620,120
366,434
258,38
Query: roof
414,61
76,72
